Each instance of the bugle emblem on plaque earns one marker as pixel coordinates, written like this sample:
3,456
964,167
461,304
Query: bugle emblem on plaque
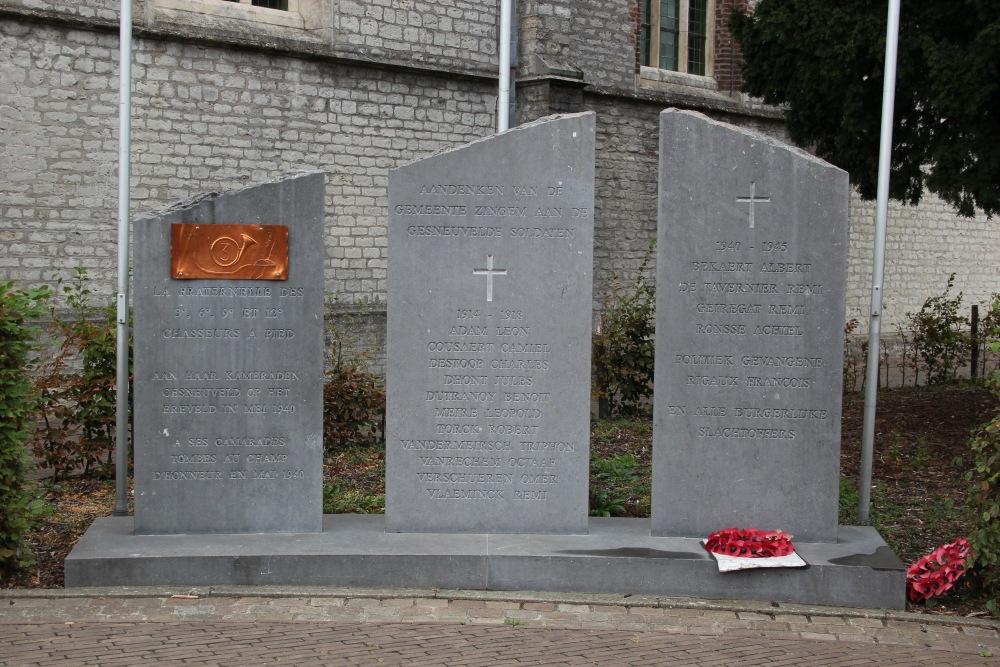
231,252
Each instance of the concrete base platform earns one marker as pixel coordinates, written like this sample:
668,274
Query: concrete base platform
618,556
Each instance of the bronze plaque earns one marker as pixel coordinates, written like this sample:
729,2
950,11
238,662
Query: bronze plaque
231,252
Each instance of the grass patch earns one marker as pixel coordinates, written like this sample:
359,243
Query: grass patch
621,467
354,480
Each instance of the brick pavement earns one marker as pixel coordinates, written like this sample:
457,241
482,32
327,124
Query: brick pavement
264,626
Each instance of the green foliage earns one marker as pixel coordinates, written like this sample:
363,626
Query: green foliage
849,499
984,500
607,430
353,407
77,384
20,504
989,335
619,469
610,479
825,62
620,483
940,335
353,396
603,503
622,346
340,500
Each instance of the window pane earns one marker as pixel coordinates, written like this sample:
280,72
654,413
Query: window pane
668,49
669,33
697,36
670,14
645,32
696,55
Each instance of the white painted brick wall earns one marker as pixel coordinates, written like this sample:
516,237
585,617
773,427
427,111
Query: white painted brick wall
924,245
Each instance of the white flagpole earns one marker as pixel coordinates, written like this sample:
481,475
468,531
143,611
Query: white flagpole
878,263
503,99
124,170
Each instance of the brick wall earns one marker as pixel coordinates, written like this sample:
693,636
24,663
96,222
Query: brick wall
206,118
462,32
727,52
924,245
212,114
604,43
103,10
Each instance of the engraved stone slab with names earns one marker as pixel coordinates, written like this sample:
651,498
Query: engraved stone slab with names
228,370
751,272
488,381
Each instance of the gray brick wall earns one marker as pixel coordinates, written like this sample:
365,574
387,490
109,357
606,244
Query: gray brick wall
207,118
105,10
399,81
462,30
603,44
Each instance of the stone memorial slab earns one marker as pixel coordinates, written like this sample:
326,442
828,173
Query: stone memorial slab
751,271
228,370
489,318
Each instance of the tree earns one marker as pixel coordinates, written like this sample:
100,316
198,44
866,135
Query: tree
824,62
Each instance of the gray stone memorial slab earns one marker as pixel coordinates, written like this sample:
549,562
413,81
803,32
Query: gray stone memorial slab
616,556
751,269
488,380
228,372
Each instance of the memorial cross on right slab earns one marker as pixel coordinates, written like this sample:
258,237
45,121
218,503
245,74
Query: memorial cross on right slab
753,199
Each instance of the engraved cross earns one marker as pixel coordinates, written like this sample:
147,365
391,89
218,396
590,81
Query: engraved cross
489,272
753,199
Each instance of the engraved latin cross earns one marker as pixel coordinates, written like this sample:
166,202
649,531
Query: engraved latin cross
753,199
489,272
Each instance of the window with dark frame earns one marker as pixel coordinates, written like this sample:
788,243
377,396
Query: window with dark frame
674,35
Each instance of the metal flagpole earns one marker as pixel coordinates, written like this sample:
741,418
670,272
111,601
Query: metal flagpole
503,99
124,170
878,262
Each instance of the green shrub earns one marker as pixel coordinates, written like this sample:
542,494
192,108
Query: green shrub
19,502
985,497
985,500
989,335
940,335
77,384
603,503
353,396
353,407
622,347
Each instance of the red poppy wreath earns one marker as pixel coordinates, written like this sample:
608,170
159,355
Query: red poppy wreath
750,543
934,574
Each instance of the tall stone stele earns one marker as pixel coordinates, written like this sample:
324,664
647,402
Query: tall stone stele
751,271
229,361
488,382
